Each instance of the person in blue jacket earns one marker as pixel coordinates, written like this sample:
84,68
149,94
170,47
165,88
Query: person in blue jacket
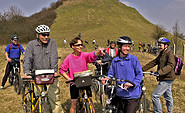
12,51
126,66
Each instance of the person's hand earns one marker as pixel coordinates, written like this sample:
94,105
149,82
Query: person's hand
99,62
127,85
8,59
103,80
99,51
71,83
156,73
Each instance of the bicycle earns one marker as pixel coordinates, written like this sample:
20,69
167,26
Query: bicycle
111,102
98,85
83,80
143,104
34,96
14,77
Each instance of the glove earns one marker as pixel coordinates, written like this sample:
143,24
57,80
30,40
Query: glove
156,73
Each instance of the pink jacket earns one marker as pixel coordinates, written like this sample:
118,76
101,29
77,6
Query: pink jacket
74,64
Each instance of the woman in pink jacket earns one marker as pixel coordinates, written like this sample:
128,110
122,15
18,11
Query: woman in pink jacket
77,62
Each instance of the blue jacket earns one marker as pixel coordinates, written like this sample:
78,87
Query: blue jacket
127,69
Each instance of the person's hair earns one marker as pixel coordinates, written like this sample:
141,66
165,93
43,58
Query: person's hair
74,41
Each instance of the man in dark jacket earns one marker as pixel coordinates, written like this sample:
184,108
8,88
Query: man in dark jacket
166,75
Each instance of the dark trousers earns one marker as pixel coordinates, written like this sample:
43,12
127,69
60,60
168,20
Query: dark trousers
9,67
128,105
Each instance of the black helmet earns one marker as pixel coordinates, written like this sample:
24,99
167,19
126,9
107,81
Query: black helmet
112,42
14,37
124,40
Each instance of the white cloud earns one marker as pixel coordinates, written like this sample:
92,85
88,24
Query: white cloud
127,3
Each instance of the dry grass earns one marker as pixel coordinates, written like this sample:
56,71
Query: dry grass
10,102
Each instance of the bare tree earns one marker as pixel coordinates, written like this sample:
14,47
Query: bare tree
12,14
159,31
176,32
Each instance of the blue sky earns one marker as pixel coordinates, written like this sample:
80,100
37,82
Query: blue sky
161,12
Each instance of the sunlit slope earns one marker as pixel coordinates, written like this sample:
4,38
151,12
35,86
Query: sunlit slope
100,20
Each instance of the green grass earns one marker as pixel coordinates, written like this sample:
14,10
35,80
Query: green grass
100,20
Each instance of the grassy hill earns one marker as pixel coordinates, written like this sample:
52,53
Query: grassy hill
99,20
95,19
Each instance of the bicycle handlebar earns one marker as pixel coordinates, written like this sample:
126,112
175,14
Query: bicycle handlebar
92,77
151,73
120,80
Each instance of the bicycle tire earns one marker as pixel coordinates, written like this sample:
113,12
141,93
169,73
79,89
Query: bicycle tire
10,78
26,99
87,108
101,94
15,83
19,83
142,105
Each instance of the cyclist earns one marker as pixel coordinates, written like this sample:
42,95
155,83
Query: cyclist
165,70
43,53
104,58
127,67
112,50
77,62
12,51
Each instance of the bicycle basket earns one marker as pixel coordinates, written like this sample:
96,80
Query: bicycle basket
83,79
44,76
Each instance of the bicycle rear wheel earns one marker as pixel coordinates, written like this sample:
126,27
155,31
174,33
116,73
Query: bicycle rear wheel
26,98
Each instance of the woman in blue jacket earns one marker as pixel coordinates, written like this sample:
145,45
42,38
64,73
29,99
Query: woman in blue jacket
127,67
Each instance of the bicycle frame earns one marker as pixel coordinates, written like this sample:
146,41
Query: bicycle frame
83,98
34,100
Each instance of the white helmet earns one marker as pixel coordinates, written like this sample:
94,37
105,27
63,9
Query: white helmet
42,29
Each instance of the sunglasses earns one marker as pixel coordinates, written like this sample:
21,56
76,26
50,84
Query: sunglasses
78,45
45,35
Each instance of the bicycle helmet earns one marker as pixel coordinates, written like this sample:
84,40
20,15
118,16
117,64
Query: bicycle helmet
42,29
112,42
124,40
14,37
163,40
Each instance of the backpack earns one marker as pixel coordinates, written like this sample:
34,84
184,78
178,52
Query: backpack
178,64
18,47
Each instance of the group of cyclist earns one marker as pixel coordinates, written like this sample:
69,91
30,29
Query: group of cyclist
42,52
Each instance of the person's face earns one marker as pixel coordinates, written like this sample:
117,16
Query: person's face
77,47
15,41
161,46
125,48
43,37
112,45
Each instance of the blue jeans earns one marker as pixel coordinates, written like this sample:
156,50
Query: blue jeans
164,87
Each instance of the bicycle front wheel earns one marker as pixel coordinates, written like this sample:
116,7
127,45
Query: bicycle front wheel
142,105
87,108
10,78
19,83
26,98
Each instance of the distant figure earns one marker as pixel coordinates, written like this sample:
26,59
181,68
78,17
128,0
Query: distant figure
112,50
96,46
108,41
86,41
65,42
93,41
140,45
143,46
79,35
